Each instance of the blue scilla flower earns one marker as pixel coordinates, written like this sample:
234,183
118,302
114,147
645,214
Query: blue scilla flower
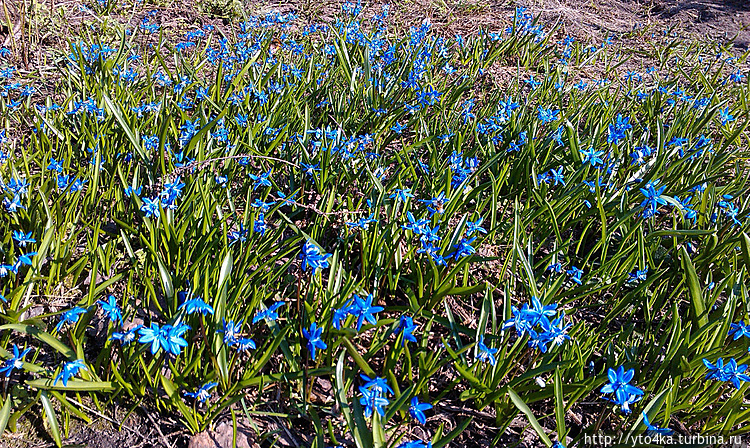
155,336
269,313
372,402
25,259
653,198
111,309
151,207
378,384
196,305
416,410
729,372
261,180
592,157
519,320
15,362
737,330
314,341
245,344
555,268
203,393
463,248
619,385
23,238
231,331
476,226
313,258
618,129
435,204
554,332
70,369
575,274
539,311
126,337
654,430
340,314
485,354
638,276
415,444
175,341
546,115
401,194
406,327
70,316
364,310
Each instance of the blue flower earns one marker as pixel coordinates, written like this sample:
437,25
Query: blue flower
23,238
378,384
406,327
652,198
592,157
485,353
269,313
314,341
174,339
70,369
372,401
463,248
25,259
475,226
231,331
111,309
364,310
313,258
70,316
638,276
575,274
202,394
731,372
555,268
401,194
196,305
655,430
555,331
151,207
15,362
154,335
245,344
738,330
310,169
619,384
262,180
546,115
416,410
126,337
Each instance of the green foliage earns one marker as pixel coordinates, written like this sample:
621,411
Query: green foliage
281,149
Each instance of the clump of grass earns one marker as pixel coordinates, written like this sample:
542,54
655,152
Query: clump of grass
355,203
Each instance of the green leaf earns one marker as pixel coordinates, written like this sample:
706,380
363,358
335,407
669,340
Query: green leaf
559,407
4,415
445,440
700,318
73,385
521,405
49,412
44,337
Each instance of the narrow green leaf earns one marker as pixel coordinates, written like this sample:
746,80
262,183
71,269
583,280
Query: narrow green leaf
521,405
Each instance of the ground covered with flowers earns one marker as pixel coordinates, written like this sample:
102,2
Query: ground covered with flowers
348,233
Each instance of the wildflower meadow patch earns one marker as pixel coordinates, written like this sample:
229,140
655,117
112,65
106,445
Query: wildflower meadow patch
359,224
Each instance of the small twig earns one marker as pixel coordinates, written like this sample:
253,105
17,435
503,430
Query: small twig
158,429
100,415
202,164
